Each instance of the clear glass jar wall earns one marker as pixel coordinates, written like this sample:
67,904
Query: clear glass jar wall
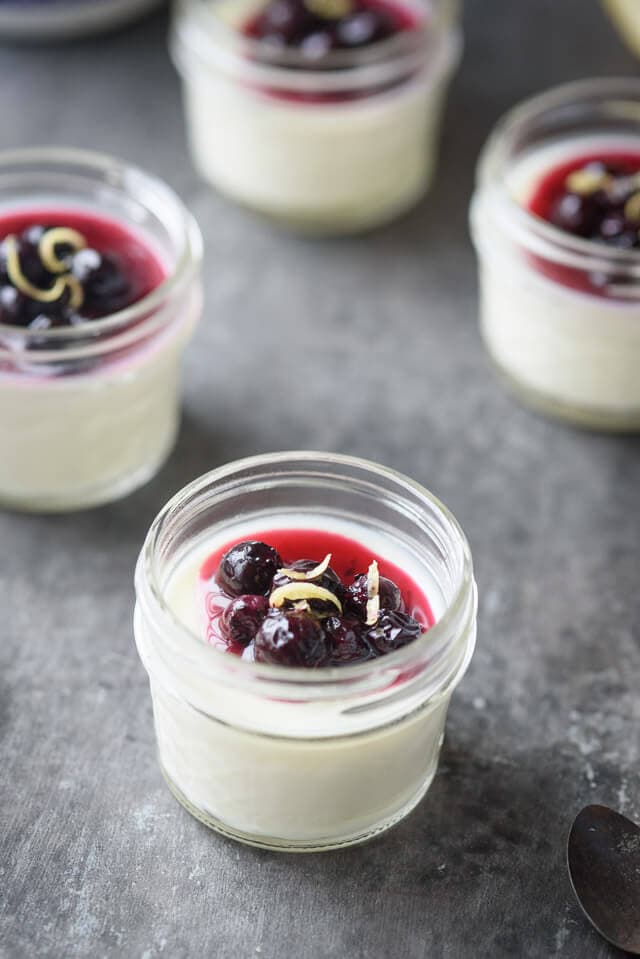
290,758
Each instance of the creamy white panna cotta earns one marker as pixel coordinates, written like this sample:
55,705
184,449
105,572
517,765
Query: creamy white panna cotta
317,149
292,758
560,313
77,440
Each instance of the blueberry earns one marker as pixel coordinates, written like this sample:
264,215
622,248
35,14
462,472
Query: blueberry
290,23
105,284
576,214
291,639
29,256
248,567
362,28
317,45
347,642
242,619
357,595
283,21
14,307
392,631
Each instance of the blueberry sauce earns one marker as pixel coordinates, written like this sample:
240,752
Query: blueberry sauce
594,197
277,599
64,269
316,29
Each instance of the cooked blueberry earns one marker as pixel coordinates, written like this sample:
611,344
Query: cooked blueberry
242,619
283,20
104,281
576,214
317,44
248,567
29,255
364,27
13,307
392,631
357,595
34,233
346,639
291,639
626,239
613,224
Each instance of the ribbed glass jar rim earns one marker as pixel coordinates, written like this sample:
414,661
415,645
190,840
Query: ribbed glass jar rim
446,646
201,39
136,323
610,105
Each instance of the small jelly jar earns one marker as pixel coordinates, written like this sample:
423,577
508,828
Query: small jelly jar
291,758
326,150
88,413
560,314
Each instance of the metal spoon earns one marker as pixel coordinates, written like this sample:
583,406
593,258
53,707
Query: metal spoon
603,855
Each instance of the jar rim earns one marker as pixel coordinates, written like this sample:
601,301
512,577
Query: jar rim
148,587
533,231
139,320
198,31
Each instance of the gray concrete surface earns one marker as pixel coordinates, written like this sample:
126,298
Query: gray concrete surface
96,858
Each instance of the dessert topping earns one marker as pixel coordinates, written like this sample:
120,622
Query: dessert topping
317,27
294,592
48,295
373,594
50,277
306,574
598,201
248,567
302,614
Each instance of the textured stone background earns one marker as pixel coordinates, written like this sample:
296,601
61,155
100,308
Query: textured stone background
96,858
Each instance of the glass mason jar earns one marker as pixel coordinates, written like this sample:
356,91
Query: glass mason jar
62,19
330,150
560,314
292,758
88,413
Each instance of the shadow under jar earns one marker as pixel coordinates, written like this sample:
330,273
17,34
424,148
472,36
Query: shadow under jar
89,412
323,141
556,224
291,758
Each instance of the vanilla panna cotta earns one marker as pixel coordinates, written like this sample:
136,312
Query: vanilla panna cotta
556,224
301,651
99,294
321,114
